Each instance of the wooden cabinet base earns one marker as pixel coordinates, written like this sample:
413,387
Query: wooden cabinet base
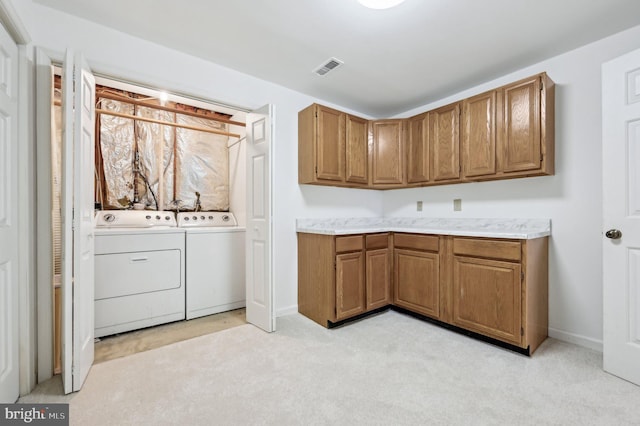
487,288
336,324
525,351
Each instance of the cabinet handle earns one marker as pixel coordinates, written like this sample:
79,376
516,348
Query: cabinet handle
138,259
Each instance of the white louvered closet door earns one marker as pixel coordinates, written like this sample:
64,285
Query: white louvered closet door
77,217
259,284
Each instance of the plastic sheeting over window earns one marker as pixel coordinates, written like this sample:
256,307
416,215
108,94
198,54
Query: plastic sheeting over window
174,164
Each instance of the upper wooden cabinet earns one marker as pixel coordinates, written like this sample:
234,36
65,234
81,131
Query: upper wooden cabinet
526,136
509,132
357,150
417,148
387,152
444,135
330,144
504,133
433,146
332,147
479,135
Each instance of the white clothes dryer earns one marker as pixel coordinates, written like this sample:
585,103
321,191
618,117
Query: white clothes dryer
139,270
215,246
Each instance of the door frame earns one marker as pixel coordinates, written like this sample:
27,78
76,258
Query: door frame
43,352
11,21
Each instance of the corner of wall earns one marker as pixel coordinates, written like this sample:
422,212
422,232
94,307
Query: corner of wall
576,339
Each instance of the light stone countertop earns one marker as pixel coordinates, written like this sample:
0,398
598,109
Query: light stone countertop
522,229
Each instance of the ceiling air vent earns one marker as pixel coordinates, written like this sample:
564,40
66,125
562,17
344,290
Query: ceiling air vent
329,65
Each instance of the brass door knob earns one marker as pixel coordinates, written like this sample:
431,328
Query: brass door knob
614,234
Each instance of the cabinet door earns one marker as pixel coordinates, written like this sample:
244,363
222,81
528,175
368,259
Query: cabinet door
444,136
418,149
330,144
350,285
417,282
520,139
387,152
357,152
487,297
479,135
378,279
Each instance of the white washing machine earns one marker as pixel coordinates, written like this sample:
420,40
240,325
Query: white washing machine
215,245
139,270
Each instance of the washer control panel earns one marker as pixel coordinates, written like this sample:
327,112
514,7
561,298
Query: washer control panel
204,219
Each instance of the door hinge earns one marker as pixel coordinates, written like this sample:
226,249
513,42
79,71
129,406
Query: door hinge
521,276
521,331
541,84
316,169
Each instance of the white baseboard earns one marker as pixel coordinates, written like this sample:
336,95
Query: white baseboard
577,339
287,311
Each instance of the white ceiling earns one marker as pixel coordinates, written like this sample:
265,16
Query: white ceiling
394,60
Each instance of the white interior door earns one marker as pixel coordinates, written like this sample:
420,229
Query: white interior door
621,210
77,218
259,280
9,366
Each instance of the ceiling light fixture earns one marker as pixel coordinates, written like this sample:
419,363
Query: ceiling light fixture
380,4
164,97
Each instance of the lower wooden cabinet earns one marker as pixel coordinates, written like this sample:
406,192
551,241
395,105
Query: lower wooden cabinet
416,284
378,273
350,289
500,290
487,297
340,277
493,287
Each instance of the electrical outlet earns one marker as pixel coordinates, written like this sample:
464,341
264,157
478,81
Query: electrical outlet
419,206
457,205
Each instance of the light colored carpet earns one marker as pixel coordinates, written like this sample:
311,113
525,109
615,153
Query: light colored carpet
390,369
